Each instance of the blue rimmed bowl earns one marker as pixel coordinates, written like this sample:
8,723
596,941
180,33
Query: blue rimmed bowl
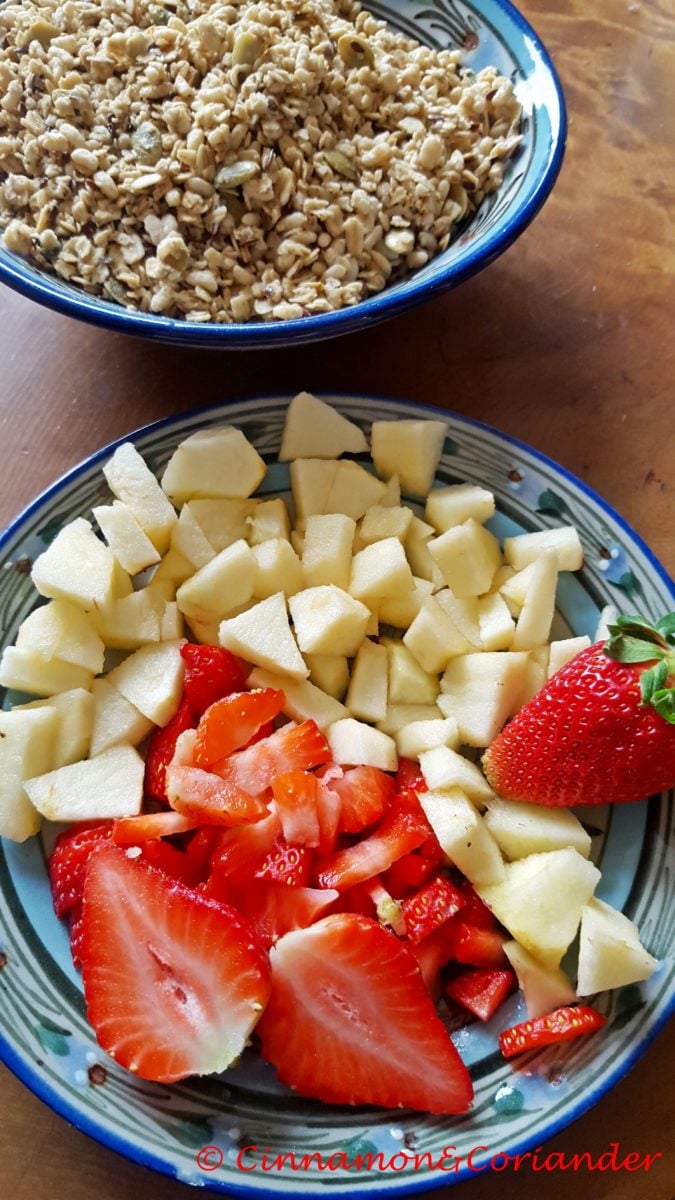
493,33
44,1035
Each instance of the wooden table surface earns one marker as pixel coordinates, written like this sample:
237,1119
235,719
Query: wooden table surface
565,342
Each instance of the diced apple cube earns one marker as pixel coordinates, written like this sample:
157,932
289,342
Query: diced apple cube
269,520
78,567
330,672
455,504
152,680
433,638
534,623
133,621
110,785
444,769
525,548
115,720
26,746
522,829
311,482
313,429
541,899
400,611
353,491
171,628
391,498
367,692
174,568
213,463
379,571
74,717
467,556
262,636
564,651
223,521
63,631
25,671
327,550
414,739
608,617
611,954
409,683
400,715
328,620
495,623
544,988
217,588
303,700
481,692
131,481
410,449
127,540
463,836
464,614
534,675
354,744
278,569
189,540
513,589
207,633
384,522
417,548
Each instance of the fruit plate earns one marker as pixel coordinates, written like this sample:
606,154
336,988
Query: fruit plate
313,1149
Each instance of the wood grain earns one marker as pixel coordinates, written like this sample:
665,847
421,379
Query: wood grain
565,342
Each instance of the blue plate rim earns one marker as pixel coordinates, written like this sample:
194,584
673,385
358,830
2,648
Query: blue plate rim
381,306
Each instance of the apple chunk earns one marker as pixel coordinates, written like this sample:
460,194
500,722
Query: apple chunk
131,481
302,700
410,449
213,463
115,720
262,635
544,988
611,954
110,785
355,744
463,835
74,719
314,429
63,631
26,747
522,829
78,567
328,620
152,680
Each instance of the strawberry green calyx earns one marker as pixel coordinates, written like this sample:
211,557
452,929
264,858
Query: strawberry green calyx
634,640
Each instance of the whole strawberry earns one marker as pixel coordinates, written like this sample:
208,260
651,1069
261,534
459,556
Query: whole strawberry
602,730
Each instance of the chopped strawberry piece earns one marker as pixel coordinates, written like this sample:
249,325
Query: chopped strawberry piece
409,776
210,673
477,947
481,992
200,850
161,749
210,800
430,907
173,982
172,862
295,793
365,792
563,1025
475,912
131,831
291,748
75,919
240,851
286,864
274,909
232,722
431,955
350,1022
68,863
402,828
328,809
414,869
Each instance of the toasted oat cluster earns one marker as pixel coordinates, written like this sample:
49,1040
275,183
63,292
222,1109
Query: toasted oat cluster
227,162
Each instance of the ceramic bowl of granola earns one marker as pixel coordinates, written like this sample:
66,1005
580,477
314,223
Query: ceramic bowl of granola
245,174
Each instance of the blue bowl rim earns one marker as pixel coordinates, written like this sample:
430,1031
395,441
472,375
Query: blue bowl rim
30,1076
18,275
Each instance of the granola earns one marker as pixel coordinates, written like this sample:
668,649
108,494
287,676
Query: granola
228,162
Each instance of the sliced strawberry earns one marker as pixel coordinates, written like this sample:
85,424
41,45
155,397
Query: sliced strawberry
481,992
68,862
274,909
477,947
75,920
349,1021
241,851
201,848
291,748
291,865
563,1025
210,800
295,793
410,872
431,955
328,809
365,792
172,862
161,749
475,912
409,776
430,907
174,983
401,829
131,831
232,722
210,673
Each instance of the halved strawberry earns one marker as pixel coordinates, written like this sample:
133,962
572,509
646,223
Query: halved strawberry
477,947
208,799
563,1025
295,794
328,809
239,852
68,862
230,723
402,827
350,1022
365,792
210,673
173,982
430,908
161,749
274,909
475,912
131,831
481,992
409,776
290,865
291,748
75,919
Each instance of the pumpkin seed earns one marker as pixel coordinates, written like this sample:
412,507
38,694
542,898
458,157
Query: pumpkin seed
340,163
235,174
247,48
147,143
355,51
235,206
40,31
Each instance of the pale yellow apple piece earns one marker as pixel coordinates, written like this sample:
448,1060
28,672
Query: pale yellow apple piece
327,549
563,651
354,744
433,638
409,683
213,463
27,742
444,769
456,503
533,626
410,449
330,672
311,482
74,718
314,429
384,521
525,548
414,739
268,520
174,568
495,623
303,700
224,521
544,988
115,720
131,481
262,636
611,954
63,631
110,785
78,567
464,613
417,548
481,691
328,620
391,498
522,829
608,616
25,671
467,556
400,611
207,633
133,621
278,569
127,540
189,540
513,589
221,585
353,491
152,680
379,571
172,625
463,836
367,693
